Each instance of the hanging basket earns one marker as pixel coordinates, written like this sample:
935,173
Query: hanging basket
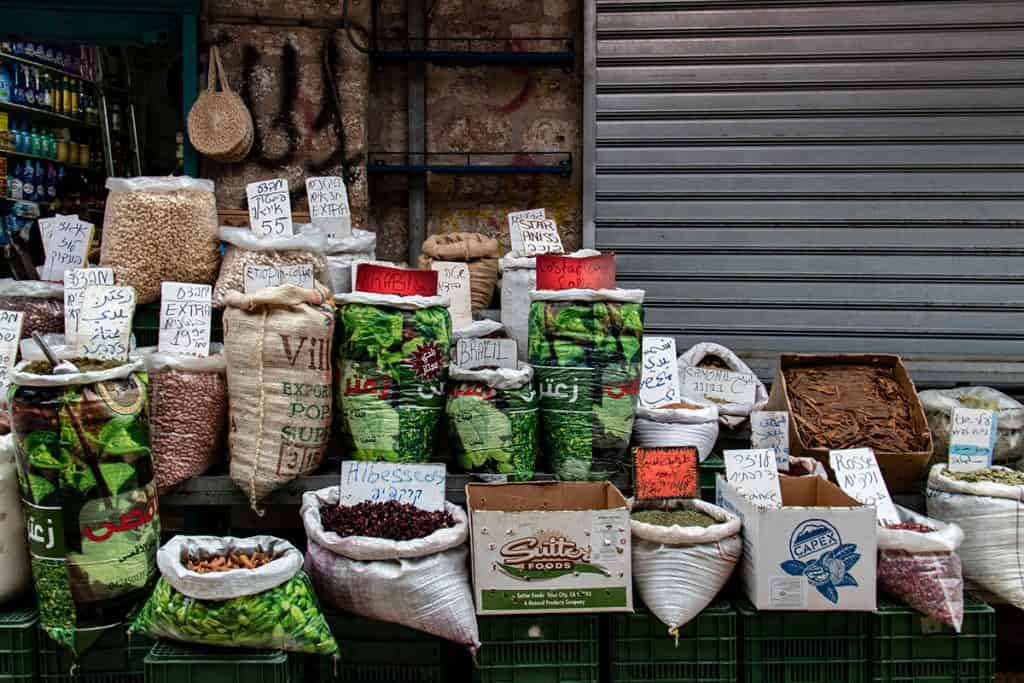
219,125
479,252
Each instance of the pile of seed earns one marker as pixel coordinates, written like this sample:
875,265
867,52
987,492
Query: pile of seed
225,563
674,518
43,367
45,316
392,520
681,405
232,270
910,526
1008,477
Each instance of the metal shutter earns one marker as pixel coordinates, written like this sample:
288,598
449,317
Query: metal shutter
815,176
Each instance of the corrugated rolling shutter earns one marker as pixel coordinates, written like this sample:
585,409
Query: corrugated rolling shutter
816,176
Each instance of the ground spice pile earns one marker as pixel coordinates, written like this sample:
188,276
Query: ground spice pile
225,563
674,518
850,405
1008,477
392,520
43,367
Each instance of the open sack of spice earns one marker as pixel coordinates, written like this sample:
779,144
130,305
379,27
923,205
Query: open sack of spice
235,592
585,348
492,422
41,302
277,345
392,365
918,565
684,551
15,571
243,247
938,408
687,423
715,356
188,413
987,505
86,476
392,562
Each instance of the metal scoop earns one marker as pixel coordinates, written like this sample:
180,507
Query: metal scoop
59,367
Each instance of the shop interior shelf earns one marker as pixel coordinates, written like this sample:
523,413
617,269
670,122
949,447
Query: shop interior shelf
10,57
43,115
22,155
469,162
558,52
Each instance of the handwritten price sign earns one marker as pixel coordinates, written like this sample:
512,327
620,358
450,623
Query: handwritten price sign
533,237
972,439
486,353
858,475
712,384
75,282
453,281
659,379
105,323
770,429
270,208
661,473
378,482
754,474
185,316
10,334
257,277
565,272
328,206
399,281
68,245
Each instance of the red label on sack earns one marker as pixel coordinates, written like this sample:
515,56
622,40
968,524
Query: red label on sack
665,473
555,271
399,281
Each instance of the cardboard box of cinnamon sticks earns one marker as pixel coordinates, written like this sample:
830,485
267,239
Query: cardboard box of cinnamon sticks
838,401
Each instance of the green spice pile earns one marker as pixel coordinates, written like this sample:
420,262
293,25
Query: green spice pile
674,518
1008,477
43,367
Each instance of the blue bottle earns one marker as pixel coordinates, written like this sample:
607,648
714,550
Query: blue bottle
5,83
28,182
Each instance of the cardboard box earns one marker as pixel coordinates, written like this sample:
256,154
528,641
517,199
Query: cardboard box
815,553
902,471
550,547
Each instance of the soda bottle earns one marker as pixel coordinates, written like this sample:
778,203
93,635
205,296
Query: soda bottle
28,184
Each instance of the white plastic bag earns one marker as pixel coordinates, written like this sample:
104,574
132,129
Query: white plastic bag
668,427
236,583
361,245
15,571
730,414
922,568
41,302
677,570
422,584
990,516
938,408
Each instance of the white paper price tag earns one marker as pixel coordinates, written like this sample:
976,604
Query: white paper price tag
770,429
421,485
754,474
69,241
75,282
858,475
453,281
972,438
257,277
328,206
659,379
712,384
517,220
530,238
10,334
487,353
104,325
270,208
185,316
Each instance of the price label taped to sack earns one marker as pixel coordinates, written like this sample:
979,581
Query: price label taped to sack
270,208
105,324
487,353
659,378
721,386
257,277
185,317
328,206
755,476
75,282
858,475
10,333
770,429
972,439
660,473
565,272
399,281
69,241
421,485
453,282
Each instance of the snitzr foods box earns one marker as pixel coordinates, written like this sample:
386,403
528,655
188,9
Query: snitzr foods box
550,547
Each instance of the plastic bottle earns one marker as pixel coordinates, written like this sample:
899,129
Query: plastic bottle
26,81
14,184
47,94
75,102
66,97
28,182
5,83
51,183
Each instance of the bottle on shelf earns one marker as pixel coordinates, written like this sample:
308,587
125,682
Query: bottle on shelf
47,93
17,89
28,183
6,84
51,182
66,107
14,183
74,101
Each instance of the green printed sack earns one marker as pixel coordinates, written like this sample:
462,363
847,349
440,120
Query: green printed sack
585,348
492,422
391,372
90,501
269,607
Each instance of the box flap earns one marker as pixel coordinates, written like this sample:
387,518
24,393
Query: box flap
813,491
551,495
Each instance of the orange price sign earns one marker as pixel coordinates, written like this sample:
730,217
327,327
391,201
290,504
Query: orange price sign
660,473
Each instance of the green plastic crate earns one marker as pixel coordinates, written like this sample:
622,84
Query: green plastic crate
380,652
802,647
642,651
169,662
114,658
541,648
18,632
909,647
707,473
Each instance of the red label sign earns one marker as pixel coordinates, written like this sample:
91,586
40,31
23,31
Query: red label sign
384,280
665,473
563,272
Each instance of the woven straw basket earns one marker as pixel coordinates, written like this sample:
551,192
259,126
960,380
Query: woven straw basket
219,124
480,252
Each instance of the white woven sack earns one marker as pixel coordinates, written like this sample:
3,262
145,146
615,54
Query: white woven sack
678,571
670,427
422,584
15,571
235,583
991,517
938,409
730,414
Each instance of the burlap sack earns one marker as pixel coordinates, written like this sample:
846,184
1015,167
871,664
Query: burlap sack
478,251
277,343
